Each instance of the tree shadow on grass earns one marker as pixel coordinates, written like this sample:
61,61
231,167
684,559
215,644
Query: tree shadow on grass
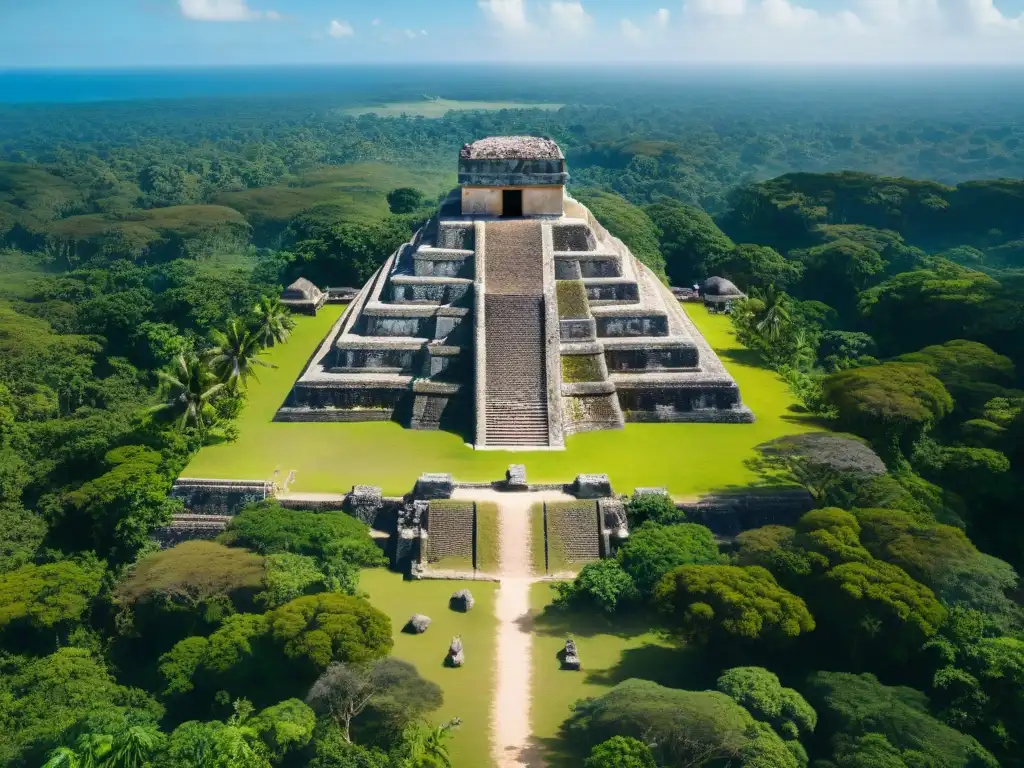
560,622
670,666
742,356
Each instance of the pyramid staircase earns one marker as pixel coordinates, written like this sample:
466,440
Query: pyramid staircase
516,409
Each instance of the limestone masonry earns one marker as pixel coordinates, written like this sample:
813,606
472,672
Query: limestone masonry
515,316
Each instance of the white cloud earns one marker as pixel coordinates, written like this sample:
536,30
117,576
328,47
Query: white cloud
375,22
340,29
570,18
783,13
631,31
412,34
662,17
983,15
715,7
510,15
223,10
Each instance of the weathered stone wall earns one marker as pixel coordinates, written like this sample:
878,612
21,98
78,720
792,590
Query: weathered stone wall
543,201
572,528
728,514
573,237
219,497
616,326
450,526
428,293
590,413
697,404
651,358
614,292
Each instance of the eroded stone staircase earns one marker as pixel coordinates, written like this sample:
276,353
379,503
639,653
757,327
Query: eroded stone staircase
516,409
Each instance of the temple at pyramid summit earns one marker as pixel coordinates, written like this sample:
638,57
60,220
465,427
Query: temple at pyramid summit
515,318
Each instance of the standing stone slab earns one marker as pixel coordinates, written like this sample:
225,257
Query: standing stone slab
364,502
591,487
515,478
456,657
570,657
434,485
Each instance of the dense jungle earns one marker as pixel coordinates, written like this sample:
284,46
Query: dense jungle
878,232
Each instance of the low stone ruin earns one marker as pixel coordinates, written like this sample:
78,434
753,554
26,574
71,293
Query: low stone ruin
515,478
434,486
364,503
614,525
462,601
417,624
408,532
570,657
591,487
455,657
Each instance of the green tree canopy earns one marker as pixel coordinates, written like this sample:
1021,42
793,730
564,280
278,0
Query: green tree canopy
759,691
330,627
48,597
653,550
686,727
688,238
42,700
875,607
620,752
891,404
851,707
754,266
601,584
731,603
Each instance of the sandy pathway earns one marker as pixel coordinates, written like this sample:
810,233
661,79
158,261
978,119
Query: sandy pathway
511,714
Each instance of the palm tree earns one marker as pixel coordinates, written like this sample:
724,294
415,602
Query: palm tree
92,750
188,387
234,355
134,746
274,322
775,316
428,746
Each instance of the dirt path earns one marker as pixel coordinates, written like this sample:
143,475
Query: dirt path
510,718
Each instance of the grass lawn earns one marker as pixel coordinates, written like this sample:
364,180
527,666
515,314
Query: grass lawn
468,691
487,544
688,459
440,107
610,651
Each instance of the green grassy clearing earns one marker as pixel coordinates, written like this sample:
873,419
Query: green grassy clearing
355,191
688,459
611,651
487,544
468,691
435,108
537,546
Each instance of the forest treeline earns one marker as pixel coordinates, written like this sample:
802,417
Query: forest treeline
143,248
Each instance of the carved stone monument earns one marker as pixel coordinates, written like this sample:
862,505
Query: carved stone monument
570,657
455,657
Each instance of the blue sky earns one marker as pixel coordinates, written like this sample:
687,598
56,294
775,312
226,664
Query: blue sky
126,33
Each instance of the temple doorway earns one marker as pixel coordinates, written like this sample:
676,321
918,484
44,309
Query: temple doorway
511,203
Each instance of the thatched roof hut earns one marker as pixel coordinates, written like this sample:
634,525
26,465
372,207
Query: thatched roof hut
719,293
303,296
